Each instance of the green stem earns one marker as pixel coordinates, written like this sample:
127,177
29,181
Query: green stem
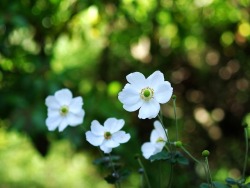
117,184
246,154
190,155
144,172
170,176
175,117
160,119
209,173
197,161
170,149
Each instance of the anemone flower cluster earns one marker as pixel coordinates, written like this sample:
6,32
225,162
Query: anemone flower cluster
143,94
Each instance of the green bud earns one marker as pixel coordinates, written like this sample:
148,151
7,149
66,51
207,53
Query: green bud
174,97
178,144
205,153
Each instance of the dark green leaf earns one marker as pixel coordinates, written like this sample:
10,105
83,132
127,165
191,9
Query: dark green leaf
231,181
204,185
163,155
105,160
219,185
112,178
182,160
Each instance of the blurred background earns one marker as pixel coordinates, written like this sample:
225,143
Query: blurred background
89,46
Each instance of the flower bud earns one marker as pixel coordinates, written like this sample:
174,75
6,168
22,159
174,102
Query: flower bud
174,97
178,144
205,153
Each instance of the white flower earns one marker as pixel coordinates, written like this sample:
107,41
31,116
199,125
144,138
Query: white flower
63,110
145,93
108,136
158,140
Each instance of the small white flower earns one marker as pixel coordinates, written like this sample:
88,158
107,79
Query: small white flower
108,136
158,140
64,110
145,94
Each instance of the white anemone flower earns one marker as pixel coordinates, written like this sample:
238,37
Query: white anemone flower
107,136
157,142
64,110
145,94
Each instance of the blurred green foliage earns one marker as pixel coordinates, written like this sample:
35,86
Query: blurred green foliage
202,47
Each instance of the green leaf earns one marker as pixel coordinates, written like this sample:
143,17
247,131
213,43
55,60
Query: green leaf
163,155
220,185
204,185
106,160
112,178
247,185
231,181
182,160
124,173
216,185
118,176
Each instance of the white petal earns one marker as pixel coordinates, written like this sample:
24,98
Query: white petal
134,107
75,119
160,130
129,95
121,137
159,146
155,79
76,105
52,103
163,92
53,122
110,143
63,96
93,139
97,128
137,79
63,124
154,136
105,149
53,112
113,125
148,149
149,109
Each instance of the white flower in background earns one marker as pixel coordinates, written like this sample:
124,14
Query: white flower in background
158,140
108,136
145,94
64,110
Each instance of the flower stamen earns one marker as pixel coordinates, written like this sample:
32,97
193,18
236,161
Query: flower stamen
147,93
160,139
107,135
64,110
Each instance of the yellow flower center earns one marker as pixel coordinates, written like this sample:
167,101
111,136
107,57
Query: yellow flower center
107,135
160,139
64,110
147,93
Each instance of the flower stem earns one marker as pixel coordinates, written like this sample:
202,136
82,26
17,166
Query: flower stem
170,149
175,117
209,173
197,161
190,155
144,172
117,184
246,153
